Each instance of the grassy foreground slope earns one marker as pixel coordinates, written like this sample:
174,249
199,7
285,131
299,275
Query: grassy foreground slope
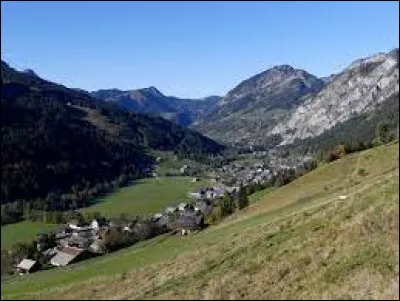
301,241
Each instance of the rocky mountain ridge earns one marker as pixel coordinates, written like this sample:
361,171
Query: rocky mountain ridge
362,86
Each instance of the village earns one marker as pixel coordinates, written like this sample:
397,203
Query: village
78,240
265,165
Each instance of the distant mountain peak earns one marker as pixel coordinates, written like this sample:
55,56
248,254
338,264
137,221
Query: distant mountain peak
5,66
153,91
283,68
30,72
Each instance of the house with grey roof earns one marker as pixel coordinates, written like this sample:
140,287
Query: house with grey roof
157,216
204,206
27,266
76,224
190,222
67,255
49,253
170,210
182,206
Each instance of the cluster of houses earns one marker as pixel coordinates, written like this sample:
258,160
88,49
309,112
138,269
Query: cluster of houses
190,215
267,166
77,241
74,242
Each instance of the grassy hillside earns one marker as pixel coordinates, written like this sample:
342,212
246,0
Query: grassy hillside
301,241
22,231
146,196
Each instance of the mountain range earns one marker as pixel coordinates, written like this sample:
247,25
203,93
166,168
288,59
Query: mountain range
360,88
152,101
281,105
53,136
250,109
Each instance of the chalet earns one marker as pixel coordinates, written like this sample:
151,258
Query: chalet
157,216
63,238
187,223
26,266
163,221
195,195
182,206
232,189
210,194
219,191
128,226
67,255
49,253
170,210
98,222
80,242
204,206
76,224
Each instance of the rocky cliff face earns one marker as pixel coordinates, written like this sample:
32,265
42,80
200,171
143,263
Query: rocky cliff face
360,88
249,110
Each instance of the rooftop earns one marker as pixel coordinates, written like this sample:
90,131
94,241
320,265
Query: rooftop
26,264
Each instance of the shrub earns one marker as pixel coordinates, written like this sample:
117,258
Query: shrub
362,172
216,215
243,200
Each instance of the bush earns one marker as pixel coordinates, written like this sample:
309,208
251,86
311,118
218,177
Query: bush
243,200
216,215
339,151
228,205
362,172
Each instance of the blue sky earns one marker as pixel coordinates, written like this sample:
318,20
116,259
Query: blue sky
189,49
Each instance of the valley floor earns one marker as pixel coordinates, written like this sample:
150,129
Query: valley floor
301,241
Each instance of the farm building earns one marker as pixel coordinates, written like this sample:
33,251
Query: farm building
67,255
98,222
27,266
204,206
187,223
170,210
76,224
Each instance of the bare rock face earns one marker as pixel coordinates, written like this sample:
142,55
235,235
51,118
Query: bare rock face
249,110
358,89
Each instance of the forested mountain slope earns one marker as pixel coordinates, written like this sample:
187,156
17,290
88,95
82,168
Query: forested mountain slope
62,145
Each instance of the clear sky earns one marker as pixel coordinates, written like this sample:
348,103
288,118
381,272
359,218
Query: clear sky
189,49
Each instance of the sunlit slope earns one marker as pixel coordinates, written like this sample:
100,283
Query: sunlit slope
301,241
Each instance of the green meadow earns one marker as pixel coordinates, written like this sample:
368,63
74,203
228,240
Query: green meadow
147,196
22,231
